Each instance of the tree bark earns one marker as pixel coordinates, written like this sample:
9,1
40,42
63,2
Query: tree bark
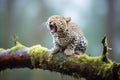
91,68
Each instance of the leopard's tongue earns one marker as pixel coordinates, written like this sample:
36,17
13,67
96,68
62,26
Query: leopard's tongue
53,28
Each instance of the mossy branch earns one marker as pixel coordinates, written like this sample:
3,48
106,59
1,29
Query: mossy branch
91,68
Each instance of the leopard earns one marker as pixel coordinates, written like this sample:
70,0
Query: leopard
67,36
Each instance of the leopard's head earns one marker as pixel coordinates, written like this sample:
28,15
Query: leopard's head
58,24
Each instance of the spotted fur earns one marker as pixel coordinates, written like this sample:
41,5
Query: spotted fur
67,36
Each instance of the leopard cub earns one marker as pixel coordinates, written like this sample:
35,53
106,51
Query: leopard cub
67,36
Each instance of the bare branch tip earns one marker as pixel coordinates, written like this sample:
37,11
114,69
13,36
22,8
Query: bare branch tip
15,39
106,48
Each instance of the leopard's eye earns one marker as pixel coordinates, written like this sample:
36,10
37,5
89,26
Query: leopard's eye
49,23
67,30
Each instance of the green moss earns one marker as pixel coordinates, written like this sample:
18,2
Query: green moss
75,75
37,53
105,67
85,58
95,63
17,46
100,66
71,59
55,60
119,74
49,57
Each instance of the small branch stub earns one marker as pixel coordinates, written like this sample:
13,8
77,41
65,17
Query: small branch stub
106,48
15,39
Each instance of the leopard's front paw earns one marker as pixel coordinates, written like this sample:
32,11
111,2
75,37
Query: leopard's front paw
55,50
69,52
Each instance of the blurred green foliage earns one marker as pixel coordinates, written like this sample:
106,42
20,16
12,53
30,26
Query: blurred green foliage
27,19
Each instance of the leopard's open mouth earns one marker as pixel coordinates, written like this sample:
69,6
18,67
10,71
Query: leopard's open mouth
53,28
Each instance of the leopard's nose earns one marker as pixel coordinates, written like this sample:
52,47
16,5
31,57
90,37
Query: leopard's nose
52,23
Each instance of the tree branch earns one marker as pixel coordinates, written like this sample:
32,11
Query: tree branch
91,68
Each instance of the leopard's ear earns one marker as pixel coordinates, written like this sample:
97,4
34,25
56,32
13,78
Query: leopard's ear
68,19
